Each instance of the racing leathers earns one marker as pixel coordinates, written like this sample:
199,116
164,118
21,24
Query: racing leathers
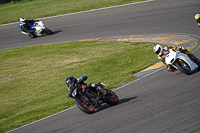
198,22
80,84
26,27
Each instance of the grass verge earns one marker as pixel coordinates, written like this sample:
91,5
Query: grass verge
33,9
32,79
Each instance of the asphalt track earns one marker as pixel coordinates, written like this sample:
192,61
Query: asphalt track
161,102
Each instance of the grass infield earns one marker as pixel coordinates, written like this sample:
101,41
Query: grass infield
32,79
34,9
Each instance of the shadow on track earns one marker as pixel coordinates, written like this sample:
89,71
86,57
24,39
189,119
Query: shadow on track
57,31
180,73
121,101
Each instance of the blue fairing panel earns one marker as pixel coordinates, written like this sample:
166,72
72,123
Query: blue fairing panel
31,27
19,26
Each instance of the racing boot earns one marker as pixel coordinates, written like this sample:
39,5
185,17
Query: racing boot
24,31
171,68
31,33
103,92
99,99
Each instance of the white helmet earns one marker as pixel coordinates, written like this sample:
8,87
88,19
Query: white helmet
158,49
22,20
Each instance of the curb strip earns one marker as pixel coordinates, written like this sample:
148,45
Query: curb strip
179,40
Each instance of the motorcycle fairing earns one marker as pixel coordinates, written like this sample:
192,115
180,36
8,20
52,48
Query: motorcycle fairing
174,55
32,26
20,26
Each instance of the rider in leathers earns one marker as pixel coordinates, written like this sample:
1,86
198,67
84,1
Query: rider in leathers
71,82
26,24
161,52
197,18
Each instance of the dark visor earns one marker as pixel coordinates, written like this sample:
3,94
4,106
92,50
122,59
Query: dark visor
158,51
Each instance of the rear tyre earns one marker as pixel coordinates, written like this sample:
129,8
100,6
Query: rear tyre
183,67
89,109
112,98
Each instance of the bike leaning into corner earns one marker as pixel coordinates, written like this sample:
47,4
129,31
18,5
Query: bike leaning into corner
90,97
33,28
177,58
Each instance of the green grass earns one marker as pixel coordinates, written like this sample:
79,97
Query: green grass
33,9
32,79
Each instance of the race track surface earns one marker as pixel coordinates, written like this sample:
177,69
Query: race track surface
161,102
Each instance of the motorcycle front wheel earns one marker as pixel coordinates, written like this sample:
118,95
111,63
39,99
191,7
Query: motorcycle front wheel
89,109
183,67
48,31
112,98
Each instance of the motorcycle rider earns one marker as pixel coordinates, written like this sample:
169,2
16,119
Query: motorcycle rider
79,82
197,18
26,26
161,52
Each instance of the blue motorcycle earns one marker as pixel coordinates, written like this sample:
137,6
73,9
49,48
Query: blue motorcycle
38,29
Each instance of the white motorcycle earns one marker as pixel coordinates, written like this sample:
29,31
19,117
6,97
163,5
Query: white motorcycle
181,61
38,28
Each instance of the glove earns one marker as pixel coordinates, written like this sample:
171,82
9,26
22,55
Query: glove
80,79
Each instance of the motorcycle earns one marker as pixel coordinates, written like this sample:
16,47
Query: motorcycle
38,28
181,62
88,101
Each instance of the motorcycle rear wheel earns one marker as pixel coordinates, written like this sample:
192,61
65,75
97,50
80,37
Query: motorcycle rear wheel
112,99
183,67
89,109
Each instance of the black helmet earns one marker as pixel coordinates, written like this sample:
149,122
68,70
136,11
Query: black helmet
70,81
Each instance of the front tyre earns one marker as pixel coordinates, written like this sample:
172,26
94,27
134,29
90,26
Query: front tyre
112,98
89,109
48,31
183,67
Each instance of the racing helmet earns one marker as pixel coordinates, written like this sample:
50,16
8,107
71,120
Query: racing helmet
70,81
158,49
22,20
197,16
